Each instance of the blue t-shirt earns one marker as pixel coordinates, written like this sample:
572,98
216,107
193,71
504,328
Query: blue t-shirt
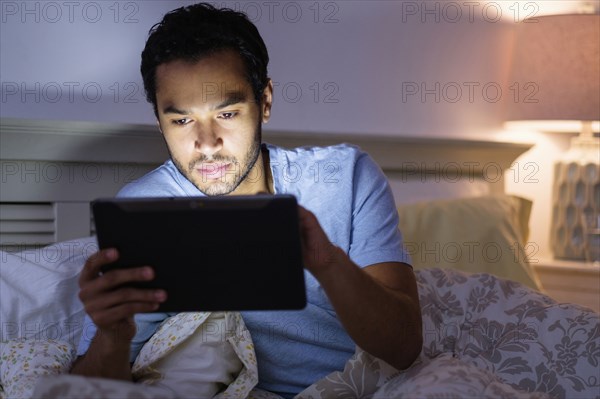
351,198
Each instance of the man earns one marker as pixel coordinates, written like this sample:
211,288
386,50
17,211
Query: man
205,72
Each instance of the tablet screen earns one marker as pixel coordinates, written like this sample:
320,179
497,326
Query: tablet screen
210,253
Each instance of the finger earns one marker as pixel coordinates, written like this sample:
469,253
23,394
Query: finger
306,216
310,226
92,266
116,314
117,277
111,280
302,211
123,296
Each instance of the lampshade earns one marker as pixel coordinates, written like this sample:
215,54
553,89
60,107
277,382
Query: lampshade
555,76
556,69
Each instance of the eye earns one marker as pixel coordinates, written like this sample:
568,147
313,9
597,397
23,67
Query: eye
227,115
180,122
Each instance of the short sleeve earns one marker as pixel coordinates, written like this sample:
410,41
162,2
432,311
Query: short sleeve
89,330
375,234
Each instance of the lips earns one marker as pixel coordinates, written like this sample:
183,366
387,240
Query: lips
213,170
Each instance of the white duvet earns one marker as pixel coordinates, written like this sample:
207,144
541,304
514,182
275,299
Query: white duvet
42,320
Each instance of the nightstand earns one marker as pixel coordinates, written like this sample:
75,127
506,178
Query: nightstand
570,281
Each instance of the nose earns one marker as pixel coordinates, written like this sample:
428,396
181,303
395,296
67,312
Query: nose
207,140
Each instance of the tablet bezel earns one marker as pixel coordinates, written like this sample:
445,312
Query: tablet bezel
251,248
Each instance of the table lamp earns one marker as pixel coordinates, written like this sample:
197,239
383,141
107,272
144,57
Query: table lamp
556,64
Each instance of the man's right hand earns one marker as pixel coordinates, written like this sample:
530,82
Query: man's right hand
110,302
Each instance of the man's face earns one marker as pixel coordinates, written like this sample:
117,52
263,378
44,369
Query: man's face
212,123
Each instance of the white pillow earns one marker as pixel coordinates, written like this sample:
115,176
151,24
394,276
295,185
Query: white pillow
39,292
485,234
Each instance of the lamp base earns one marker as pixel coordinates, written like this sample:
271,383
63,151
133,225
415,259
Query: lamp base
576,202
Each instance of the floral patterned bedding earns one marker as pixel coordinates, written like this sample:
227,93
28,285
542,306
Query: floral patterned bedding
483,337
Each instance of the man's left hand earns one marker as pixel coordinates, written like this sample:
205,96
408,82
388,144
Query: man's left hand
318,252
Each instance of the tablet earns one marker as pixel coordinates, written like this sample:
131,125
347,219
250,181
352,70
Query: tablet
209,253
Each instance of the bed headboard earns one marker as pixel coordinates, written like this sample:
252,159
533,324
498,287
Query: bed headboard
51,170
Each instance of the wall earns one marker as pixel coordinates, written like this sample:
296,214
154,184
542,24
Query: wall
352,67
410,68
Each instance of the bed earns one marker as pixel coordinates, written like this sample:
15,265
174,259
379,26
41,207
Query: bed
489,330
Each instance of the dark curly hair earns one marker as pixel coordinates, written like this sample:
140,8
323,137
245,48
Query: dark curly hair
194,32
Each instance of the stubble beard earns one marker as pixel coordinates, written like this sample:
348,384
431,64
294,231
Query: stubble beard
240,171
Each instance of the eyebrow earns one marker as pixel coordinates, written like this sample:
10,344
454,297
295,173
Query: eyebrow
232,97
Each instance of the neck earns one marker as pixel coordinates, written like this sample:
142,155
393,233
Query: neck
260,179
266,162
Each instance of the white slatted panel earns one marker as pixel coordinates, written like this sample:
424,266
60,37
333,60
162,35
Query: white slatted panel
26,225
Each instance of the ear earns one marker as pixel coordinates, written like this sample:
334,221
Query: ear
159,128
267,101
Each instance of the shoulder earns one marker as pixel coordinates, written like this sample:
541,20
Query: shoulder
164,181
349,159
314,163
339,152
319,174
